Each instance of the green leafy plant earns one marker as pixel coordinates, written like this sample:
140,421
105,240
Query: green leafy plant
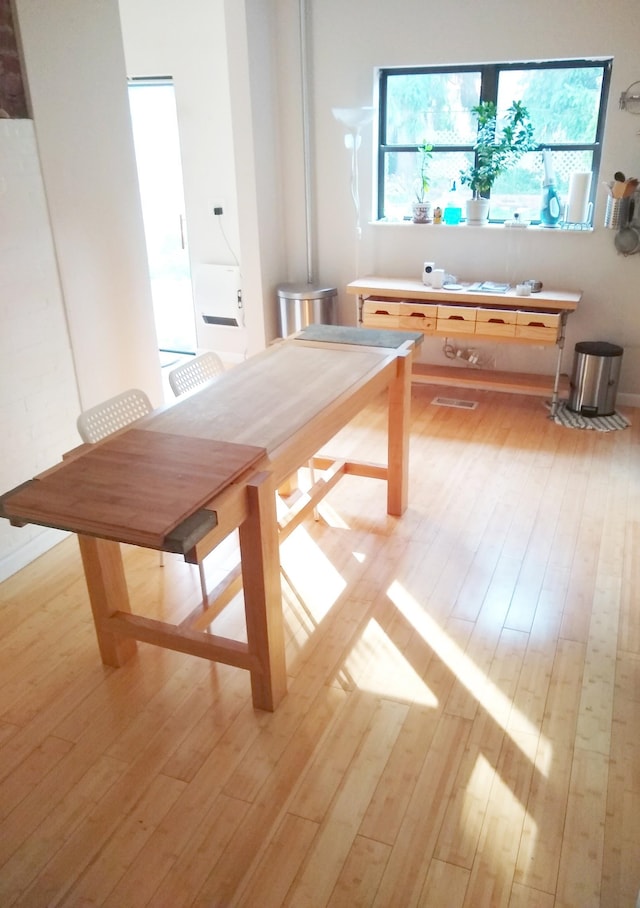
497,150
422,183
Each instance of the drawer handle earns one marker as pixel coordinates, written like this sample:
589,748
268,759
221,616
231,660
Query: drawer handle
497,321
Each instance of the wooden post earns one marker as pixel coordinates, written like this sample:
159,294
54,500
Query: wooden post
398,432
263,593
108,593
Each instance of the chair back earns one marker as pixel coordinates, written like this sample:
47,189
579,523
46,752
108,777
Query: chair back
113,414
195,372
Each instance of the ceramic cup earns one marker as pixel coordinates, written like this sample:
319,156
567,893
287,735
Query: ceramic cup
437,278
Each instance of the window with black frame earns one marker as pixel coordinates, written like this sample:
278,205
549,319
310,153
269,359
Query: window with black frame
566,102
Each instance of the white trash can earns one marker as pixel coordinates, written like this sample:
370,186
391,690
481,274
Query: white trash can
305,304
594,379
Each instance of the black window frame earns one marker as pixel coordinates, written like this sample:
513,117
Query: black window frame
489,77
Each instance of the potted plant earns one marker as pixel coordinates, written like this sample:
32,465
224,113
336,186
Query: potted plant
495,152
422,206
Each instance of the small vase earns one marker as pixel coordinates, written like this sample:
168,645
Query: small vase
477,212
422,213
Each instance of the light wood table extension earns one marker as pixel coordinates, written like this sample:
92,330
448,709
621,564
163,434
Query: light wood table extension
186,476
538,320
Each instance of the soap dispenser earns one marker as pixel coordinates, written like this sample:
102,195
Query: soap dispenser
453,209
550,211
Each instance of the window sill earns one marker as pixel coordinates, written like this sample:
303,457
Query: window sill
532,228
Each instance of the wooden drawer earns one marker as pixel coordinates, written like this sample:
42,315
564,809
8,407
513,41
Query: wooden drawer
381,314
496,322
418,316
456,320
538,326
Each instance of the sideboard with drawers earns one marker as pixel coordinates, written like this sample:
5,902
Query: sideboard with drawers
469,314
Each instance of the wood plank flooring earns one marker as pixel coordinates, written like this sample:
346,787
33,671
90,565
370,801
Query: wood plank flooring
463,719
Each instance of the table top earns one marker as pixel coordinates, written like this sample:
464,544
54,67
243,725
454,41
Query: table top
148,482
272,396
404,288
142,484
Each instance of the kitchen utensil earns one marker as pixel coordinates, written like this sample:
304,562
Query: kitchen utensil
612,213
630,187
618,175
627,240
617,190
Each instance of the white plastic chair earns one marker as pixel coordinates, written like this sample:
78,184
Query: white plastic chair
113,414
195,372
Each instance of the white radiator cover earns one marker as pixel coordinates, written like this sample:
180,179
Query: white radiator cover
217,296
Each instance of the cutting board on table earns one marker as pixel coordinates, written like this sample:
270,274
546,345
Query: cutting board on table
136,487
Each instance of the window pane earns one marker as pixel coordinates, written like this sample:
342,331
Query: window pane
563,103
520,189
433,107
400,171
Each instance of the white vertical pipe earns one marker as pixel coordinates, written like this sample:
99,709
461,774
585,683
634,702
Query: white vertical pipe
306,138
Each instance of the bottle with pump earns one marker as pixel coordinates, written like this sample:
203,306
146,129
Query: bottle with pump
550,211
452,209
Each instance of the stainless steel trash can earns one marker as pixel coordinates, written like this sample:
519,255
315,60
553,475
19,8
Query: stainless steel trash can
594,378
305,304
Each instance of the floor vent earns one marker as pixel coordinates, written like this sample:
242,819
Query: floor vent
454,402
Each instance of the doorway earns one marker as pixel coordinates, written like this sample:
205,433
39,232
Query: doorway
157,148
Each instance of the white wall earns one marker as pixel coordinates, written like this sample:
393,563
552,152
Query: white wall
236,65
351,39
250,124
38,393
75,308
220,57
76,76
255,122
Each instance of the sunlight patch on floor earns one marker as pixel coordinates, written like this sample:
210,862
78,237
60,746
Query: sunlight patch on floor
313,577
475,797
490,697
331,516
375,664
502,826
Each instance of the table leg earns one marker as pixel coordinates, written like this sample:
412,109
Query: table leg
398,430
556,380
108,593
259,551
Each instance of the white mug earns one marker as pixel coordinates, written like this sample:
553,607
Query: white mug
437,278
427,271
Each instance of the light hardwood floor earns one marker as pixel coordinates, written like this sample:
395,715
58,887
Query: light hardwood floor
463,719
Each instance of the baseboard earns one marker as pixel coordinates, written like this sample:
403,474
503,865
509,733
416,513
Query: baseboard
18,558
628,400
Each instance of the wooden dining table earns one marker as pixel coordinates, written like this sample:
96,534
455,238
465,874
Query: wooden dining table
186,476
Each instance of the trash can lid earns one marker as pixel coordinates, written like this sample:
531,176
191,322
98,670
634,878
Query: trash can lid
305,291
598,348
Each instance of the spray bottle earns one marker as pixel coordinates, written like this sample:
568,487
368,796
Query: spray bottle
550,211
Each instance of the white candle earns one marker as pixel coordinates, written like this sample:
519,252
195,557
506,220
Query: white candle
578,203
